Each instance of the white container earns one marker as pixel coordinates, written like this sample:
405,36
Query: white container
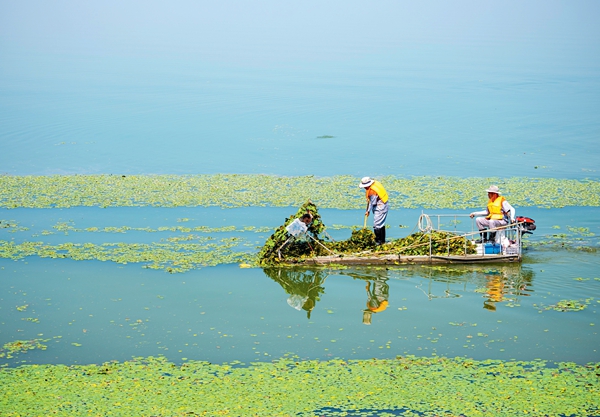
479,248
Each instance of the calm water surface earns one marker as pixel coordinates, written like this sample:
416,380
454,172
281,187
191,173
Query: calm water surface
90,311
400,89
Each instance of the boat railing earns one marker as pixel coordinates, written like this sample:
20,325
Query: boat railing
508,236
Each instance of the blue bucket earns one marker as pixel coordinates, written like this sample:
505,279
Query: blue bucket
492,249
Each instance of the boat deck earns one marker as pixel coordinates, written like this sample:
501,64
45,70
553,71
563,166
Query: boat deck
366,259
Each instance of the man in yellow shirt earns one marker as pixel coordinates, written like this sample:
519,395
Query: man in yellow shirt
498,213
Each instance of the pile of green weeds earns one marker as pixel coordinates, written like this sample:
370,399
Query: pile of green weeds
282,248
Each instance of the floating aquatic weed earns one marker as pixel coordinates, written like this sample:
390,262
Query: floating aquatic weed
10,349
569,305
577,238
31,319
66,227
185,238
170,256
12,226
288,386
232,190
582,231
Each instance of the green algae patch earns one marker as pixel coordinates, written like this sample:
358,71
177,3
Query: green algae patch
569,305
406,386
67,227
175,255
233,190
574,238
12,226
11,349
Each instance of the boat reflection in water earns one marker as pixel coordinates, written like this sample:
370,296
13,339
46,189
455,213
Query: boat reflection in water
304,286
502,286
497,283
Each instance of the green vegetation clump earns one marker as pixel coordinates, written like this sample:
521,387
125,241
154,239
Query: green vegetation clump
416,244
406,386
361,240
442,243
281,246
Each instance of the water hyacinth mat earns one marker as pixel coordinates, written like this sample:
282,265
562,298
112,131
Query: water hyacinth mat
404,386
233,190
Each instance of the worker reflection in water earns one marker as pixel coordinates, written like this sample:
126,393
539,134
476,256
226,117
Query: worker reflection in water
494,290
378,294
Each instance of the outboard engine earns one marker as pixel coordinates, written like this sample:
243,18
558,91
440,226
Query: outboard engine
526,224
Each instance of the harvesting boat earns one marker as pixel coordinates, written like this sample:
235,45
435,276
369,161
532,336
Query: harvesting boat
444,240
439,245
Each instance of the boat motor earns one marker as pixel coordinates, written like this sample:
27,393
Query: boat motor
526,225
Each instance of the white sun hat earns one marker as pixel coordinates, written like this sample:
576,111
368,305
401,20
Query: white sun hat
366,182
493,189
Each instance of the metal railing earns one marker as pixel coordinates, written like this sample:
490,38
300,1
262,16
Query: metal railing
450,223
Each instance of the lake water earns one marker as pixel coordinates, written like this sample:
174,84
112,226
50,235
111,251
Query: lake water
92,311
377,92
381,94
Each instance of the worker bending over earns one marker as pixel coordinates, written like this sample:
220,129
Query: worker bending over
377,202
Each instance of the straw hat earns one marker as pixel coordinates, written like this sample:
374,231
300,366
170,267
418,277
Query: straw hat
493,189
366,182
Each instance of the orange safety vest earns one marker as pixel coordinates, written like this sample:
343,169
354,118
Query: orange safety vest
495,209
381,307
378,189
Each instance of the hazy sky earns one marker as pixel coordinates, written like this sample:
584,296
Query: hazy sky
281,30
